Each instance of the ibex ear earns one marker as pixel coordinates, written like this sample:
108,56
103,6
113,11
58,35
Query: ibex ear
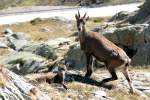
87,18
76,16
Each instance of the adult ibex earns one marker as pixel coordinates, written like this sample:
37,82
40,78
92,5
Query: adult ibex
95,44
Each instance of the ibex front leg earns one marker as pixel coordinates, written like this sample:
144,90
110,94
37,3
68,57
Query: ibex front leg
88,65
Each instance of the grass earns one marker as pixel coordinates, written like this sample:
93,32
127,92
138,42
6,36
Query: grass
53,26
121,94
27,3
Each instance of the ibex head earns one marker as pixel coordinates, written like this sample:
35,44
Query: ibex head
81,21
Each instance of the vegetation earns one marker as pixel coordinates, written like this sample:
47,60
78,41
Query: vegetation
16,3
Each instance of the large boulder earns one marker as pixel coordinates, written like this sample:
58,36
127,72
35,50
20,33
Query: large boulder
24,62
123,15
14,87
75,57
15,40
51,49
143,15
41,49
131,35
142,56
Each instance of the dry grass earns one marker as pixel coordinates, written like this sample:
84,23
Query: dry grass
121,94
56,28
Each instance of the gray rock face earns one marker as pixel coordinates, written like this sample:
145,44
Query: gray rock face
24,62
41,49
142,57
120,16
51,49
15,40
76,57
16,88
130,36
134,39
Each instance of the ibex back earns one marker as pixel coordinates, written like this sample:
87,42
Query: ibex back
95,44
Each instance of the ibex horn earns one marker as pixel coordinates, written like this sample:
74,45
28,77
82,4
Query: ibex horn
78,14
84,15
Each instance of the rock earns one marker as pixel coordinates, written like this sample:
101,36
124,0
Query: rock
147,92
130,36
134,39
62,19
75,57
44,29
100,94
51,49
8,31
35,21
142,57
3,43
15,40
97,29
80,97
24,62
17,88
142,15
41,49
123,15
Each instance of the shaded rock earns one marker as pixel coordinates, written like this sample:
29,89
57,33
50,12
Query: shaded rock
24,62
35,21
142,57
75,57
134,39
15,40
97,29
123,15
41,49
142,15
130,36
17,88
51,49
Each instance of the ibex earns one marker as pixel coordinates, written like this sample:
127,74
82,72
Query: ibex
95,44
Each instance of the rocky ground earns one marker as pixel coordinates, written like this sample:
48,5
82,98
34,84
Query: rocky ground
38,50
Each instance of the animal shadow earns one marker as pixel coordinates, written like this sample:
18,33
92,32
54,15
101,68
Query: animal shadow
83,79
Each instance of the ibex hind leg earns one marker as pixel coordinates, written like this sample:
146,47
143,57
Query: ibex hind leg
113,74
126,74
88,65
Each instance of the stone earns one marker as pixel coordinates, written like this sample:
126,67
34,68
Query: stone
51,49
44,29
142,57
24,62
41,49
100,94
123,15
35,21
15,40
75,57
17,88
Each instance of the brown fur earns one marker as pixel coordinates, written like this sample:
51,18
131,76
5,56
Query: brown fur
95,44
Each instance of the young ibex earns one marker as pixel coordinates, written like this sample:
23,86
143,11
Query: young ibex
95,44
